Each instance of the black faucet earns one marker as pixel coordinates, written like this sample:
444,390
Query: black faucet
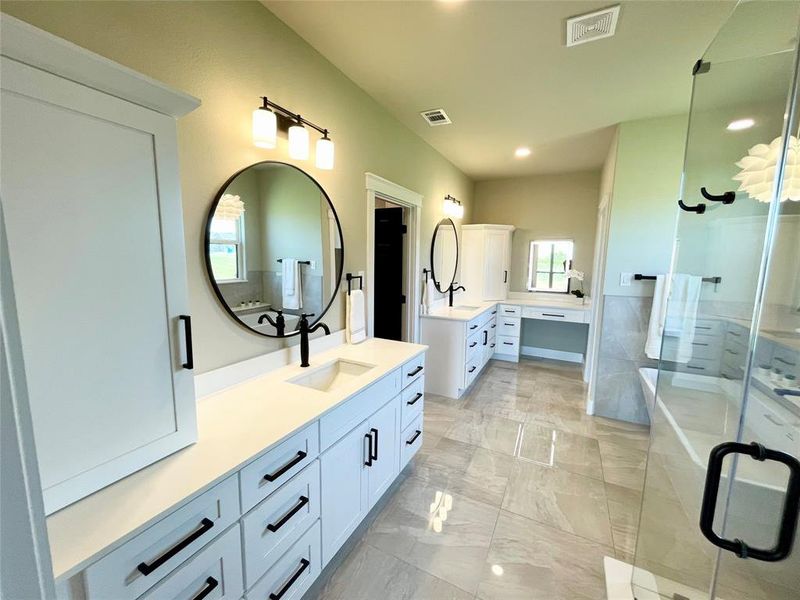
452,289
279,323
304,331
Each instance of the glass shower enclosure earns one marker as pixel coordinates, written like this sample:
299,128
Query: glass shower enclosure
720,502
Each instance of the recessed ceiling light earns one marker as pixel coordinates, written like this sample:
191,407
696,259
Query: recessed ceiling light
522,152
740,124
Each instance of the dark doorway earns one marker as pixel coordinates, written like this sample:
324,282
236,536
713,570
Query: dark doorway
389,298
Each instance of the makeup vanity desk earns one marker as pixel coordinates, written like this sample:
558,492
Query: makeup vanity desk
463,338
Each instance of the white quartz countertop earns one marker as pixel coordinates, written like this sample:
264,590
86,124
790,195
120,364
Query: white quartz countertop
466,311
234,426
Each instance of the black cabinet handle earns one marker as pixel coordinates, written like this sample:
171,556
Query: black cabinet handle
473,344
509,310
415,371
505,276
414,401
729,351
413,437
279,594
788,525
375,431
298,457
205,525
494,325
211,585
485,336
508,343
494,312
473,327
725,198
784,361
553,315
472,369
187,331
699,209
273,527
491,345
368,462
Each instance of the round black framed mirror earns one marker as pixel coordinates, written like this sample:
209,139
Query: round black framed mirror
444,255
274,248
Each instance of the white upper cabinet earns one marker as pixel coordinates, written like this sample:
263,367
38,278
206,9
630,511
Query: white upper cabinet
92,202
486,261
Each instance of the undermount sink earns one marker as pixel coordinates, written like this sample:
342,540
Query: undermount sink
465,307
332,375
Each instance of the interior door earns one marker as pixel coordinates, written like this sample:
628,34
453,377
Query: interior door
495,268
96,246
721,492
389,299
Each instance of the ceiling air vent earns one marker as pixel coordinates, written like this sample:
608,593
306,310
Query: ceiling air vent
436,117
592,26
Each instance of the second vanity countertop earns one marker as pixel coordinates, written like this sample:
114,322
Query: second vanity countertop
467,314
234,426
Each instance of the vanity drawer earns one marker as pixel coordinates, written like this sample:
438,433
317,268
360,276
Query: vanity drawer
412,402
507,345
295,571
215,572
487,316
702,347
337,423
410,441
473,342
554,314
412,370
271,470
508,326
472,368
277,523
161,548
474,325
699,366
708,327
509,310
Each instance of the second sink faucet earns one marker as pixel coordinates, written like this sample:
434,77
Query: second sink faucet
452,289
305,330
279,323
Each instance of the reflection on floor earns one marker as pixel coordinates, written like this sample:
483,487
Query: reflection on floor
516,494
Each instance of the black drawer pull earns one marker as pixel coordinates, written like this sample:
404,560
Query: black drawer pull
473,344
473,327
509,343
273,527
368,462
375,431
553,315
492,345
699,344
297,459
734,334
494,325
414,401
706,327
510,311
510,324
415,371
205,525
211,585
472,369
729,351
788,524
278,595
494,312
413,437
187,331
784,361
695,368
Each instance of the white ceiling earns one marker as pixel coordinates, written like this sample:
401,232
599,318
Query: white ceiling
504,76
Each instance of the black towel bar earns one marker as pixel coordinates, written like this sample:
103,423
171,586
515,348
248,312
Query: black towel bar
640,277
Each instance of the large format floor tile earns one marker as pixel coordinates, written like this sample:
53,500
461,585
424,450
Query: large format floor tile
564,500
530,561
493,433
623,465
551,447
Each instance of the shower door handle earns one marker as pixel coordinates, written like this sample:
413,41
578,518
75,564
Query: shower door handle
725,197
788,524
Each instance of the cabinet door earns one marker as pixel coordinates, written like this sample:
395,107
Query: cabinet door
383,426
343,489
495,265
92,205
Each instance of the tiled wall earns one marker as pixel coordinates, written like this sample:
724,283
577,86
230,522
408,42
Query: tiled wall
618,392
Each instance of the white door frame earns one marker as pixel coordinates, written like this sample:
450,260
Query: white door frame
378,187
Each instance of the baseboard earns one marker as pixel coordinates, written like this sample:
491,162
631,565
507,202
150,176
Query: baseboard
506,357
574,357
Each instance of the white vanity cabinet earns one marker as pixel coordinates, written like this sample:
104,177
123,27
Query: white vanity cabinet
92,206
485,261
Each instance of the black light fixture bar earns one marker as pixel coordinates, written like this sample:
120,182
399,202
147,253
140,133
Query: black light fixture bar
267,104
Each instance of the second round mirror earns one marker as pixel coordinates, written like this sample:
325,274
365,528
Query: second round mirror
444,255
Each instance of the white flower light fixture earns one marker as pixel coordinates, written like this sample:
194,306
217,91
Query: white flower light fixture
453,208
757,175
229,207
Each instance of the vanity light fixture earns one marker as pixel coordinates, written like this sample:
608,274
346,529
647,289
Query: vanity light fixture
522,152
453,208
265,130
740,124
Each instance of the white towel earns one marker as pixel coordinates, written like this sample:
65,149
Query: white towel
681,317
428,292
356,320
655,330
292,284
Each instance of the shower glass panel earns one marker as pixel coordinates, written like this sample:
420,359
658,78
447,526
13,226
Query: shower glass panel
730,352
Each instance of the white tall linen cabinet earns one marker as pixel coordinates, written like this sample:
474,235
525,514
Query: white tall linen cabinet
91,197
486,261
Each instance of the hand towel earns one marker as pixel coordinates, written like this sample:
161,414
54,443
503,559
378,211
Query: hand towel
292,284
428,293
681,317
655,329
356,318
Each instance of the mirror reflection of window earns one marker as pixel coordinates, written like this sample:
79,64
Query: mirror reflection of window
548,263
226,248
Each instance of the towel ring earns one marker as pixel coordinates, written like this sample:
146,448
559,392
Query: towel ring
350,278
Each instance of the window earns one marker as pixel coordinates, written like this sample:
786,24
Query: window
548,263
226,249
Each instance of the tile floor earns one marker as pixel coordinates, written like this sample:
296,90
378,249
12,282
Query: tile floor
515,494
